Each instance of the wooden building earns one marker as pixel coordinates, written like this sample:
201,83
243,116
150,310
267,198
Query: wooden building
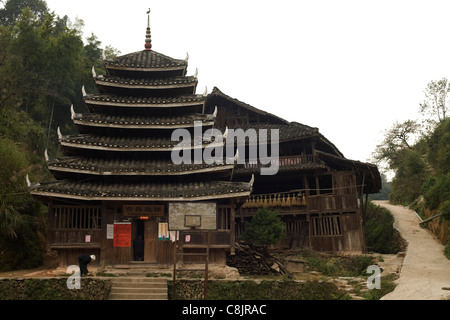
319,194
117,179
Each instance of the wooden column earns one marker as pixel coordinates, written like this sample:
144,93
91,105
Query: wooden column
361,216
233,226
308,216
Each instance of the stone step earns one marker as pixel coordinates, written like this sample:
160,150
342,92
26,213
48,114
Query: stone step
139,285
138,288
138,296
139,279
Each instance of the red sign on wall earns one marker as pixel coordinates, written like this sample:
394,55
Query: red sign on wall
122,235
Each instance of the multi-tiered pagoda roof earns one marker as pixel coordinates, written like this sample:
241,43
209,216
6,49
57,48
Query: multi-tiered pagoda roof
123,149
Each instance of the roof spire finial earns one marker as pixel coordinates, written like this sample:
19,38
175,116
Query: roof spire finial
148,38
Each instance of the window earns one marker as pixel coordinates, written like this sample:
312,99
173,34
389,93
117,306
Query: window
68,217
326,226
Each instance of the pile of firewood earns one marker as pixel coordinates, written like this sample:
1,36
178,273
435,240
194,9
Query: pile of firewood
253,261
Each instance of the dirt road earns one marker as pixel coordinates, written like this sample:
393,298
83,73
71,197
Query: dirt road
425,270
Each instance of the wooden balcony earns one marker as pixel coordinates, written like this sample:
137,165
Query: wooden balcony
296,202
281,162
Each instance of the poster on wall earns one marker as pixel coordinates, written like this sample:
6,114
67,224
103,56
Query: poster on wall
110,231
163,231
122,235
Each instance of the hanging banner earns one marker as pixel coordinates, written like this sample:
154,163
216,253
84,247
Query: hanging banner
163,231
122,235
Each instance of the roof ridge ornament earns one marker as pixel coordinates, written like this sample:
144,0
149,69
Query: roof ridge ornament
73,114
148,37
60,136
252,180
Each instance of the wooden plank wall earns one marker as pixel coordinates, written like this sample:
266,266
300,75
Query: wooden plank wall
68,257
348,240
334,232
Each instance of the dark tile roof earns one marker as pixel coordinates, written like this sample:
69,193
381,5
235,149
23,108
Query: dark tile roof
132,121
108,166
372,177
145,101
147,83
287,132
85,141
146,59
217,93
191,191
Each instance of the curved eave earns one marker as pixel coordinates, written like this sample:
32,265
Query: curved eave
145,105
140,192
113,147
147,86
139,125
146,69
138,198
137,172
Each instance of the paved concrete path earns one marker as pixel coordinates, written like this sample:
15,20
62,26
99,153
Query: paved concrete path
425,270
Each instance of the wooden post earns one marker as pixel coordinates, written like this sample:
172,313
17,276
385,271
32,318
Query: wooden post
233,227
308,215
361,213
205,287
174,265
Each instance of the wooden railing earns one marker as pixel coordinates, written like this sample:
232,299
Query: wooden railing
282,161
200,238
75,226
74,238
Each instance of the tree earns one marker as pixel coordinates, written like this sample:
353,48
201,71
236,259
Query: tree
13,9
265,228
398,138
435,105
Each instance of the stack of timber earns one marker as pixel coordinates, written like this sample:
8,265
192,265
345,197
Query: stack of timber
253,261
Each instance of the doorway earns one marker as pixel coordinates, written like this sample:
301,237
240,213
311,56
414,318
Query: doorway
139,241
145,248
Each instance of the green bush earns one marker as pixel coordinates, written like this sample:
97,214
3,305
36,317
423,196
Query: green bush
445,210
264,229
380,232
447,248
436,191
264,290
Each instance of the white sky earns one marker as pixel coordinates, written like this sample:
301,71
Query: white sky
348,67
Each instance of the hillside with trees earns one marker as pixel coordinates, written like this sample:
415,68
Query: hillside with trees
44,62
418,152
